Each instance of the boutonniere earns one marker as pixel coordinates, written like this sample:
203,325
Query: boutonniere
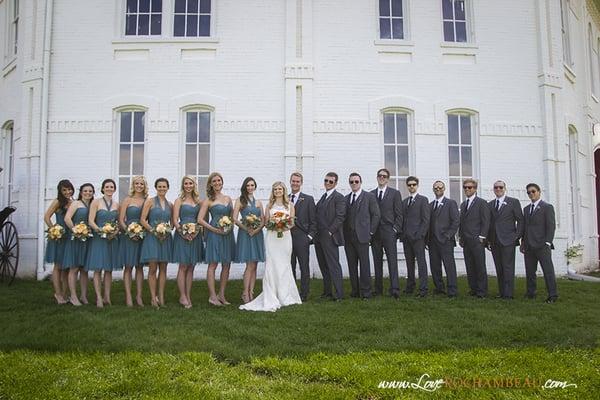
504,203
300,198
441,204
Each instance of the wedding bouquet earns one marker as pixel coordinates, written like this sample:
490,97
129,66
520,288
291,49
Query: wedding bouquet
81,232
135,231
189,229
279,222
252,221
109,230
55,232
162,230
226,223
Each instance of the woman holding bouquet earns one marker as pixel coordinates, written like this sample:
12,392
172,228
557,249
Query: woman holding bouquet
187,244
220,243
131,241
279,286
157,249
76,220
58,237
250,246
103,252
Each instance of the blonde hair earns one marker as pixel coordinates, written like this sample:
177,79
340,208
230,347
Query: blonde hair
210,192
195,192
132,185
286,201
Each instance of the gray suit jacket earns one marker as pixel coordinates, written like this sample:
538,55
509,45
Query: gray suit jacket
306,217
539,227
506,227
391,210
416,218
444,221
362,217
475,221
330,217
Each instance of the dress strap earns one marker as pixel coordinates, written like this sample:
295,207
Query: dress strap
107,204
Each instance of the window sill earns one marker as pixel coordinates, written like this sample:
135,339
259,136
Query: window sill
595,98
469,49
392,43
569,73
394,50
133,41
9,66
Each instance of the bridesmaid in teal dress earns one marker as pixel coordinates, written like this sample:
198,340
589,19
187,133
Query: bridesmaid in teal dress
130,249
187,248
220,243
75,249
157,248
250,244
55,248
103,253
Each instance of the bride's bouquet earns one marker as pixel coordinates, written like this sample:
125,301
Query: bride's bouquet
279,222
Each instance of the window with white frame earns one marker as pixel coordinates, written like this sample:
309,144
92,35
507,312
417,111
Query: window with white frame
574,180
391,19
9,157
192,18
460,152
565,30
592,56
143,17
132,134
396,147
454,18
197,145
13,28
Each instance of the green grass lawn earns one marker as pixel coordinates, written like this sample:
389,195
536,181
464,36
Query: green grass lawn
319,349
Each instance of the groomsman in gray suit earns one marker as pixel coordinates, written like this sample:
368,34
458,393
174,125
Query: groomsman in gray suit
331,211
441,239
386,236
537,245
362,219
506,228
414,231
473,230
303,232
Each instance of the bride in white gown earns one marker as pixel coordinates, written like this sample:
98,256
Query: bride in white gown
279,286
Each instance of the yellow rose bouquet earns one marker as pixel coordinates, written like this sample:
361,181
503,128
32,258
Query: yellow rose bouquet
279,222
81,232
252,221
226,223
109,230
189,230
55,232
162,230
135,231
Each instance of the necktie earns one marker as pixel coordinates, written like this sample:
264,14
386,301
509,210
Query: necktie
353,198
531,209
410,201
323,197
497,204
293,196
436,205
380,197
467,204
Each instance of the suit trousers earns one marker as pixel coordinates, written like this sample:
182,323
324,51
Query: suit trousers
438,253
358,252
328,256
415,249
542,255
474,253
504,260
385,239
301,254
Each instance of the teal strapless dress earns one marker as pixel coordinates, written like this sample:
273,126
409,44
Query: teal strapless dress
219,248
250,248
153,249
103,254
75,250
185,251
55,249
131,250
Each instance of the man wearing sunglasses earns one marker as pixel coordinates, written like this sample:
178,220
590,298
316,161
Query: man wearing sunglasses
537,244
506,228
473,229
331,211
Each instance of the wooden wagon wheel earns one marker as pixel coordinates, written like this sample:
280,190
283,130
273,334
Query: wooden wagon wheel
9,252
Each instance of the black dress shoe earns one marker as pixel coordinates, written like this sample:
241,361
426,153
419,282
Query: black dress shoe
354,295
421,295
396,295
303,298
452,296
336,299
472,293
481,296
551,299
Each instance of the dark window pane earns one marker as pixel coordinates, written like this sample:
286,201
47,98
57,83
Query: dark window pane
131,25
192,25
459,10
190,159
204,25
389,159
125,127
452,129
384,8
192,6
138,126
156,24
447,9
205,6
179,28
131,6
389,133
144,6
397,28
397,8
123,188
203,159
467,162
138,159
402,128
465,129
204,131
449,31
124,159
455,190
454,161
143,24
191,135
157,6
384,28
403,160
179,6
461,32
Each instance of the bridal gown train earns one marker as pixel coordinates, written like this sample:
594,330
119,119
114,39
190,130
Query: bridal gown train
279,286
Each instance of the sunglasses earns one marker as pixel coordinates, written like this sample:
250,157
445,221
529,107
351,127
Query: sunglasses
382,176
438,188
411,184
354,182
531,191
498,187
468,187
329,181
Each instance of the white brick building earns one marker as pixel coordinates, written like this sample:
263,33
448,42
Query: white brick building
266,87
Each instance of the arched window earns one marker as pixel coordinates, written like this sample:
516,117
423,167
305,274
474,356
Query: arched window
397,134
462,150
197,133
131,126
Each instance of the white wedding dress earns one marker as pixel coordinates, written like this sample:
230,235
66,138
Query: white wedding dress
279,286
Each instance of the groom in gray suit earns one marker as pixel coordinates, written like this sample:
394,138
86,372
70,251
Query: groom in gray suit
362,218
331,211
303,232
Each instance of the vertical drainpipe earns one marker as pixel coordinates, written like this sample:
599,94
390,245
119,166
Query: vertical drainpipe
44,135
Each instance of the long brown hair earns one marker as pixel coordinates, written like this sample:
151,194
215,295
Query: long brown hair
63,202
210,192
244,195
